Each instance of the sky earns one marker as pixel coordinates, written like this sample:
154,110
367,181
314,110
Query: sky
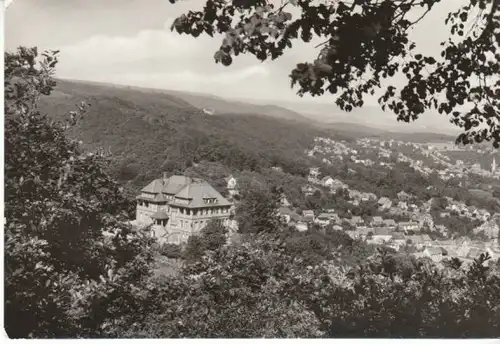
129,42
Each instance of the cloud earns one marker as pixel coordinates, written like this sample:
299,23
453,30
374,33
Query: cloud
104,50
164,59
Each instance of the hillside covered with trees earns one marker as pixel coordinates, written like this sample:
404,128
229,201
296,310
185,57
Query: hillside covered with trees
150,132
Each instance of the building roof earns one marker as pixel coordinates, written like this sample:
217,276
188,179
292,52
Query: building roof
416,239
357,219
156,186
398,236
197,192
474,252
381,231
296,217
436,250
159,215
175,184
426,237
377,219
389,222
188,192
327,216
410,223
284,211
308,213
364,230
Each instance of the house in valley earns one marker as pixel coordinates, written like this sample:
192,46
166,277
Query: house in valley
389,223
402,205
308,215
419,241
308,190
285,214
313,174
284,201
408,226
327,181
384,203
377,221
436,254
398,238
209,112
357,221
180,206
381,235
325,219
360,233
232,185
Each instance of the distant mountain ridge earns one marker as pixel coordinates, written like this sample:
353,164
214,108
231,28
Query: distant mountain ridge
206,101
367,121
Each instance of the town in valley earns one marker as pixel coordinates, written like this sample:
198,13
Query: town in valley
180,206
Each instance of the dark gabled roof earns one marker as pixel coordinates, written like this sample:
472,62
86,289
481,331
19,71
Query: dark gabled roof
196,193
156,186
188,192
175,184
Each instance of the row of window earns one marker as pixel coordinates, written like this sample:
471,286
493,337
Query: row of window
184,211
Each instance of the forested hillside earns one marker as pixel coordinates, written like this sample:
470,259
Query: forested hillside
150,132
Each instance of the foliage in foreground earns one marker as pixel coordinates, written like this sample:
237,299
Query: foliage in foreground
256,289
70,257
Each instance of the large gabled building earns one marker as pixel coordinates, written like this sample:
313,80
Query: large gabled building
180,206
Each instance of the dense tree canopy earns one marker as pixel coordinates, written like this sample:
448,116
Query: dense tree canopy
70,257
367,41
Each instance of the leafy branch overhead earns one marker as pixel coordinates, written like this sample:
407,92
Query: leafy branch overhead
367,41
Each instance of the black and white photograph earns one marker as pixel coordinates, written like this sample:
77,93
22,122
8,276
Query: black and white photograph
226,169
